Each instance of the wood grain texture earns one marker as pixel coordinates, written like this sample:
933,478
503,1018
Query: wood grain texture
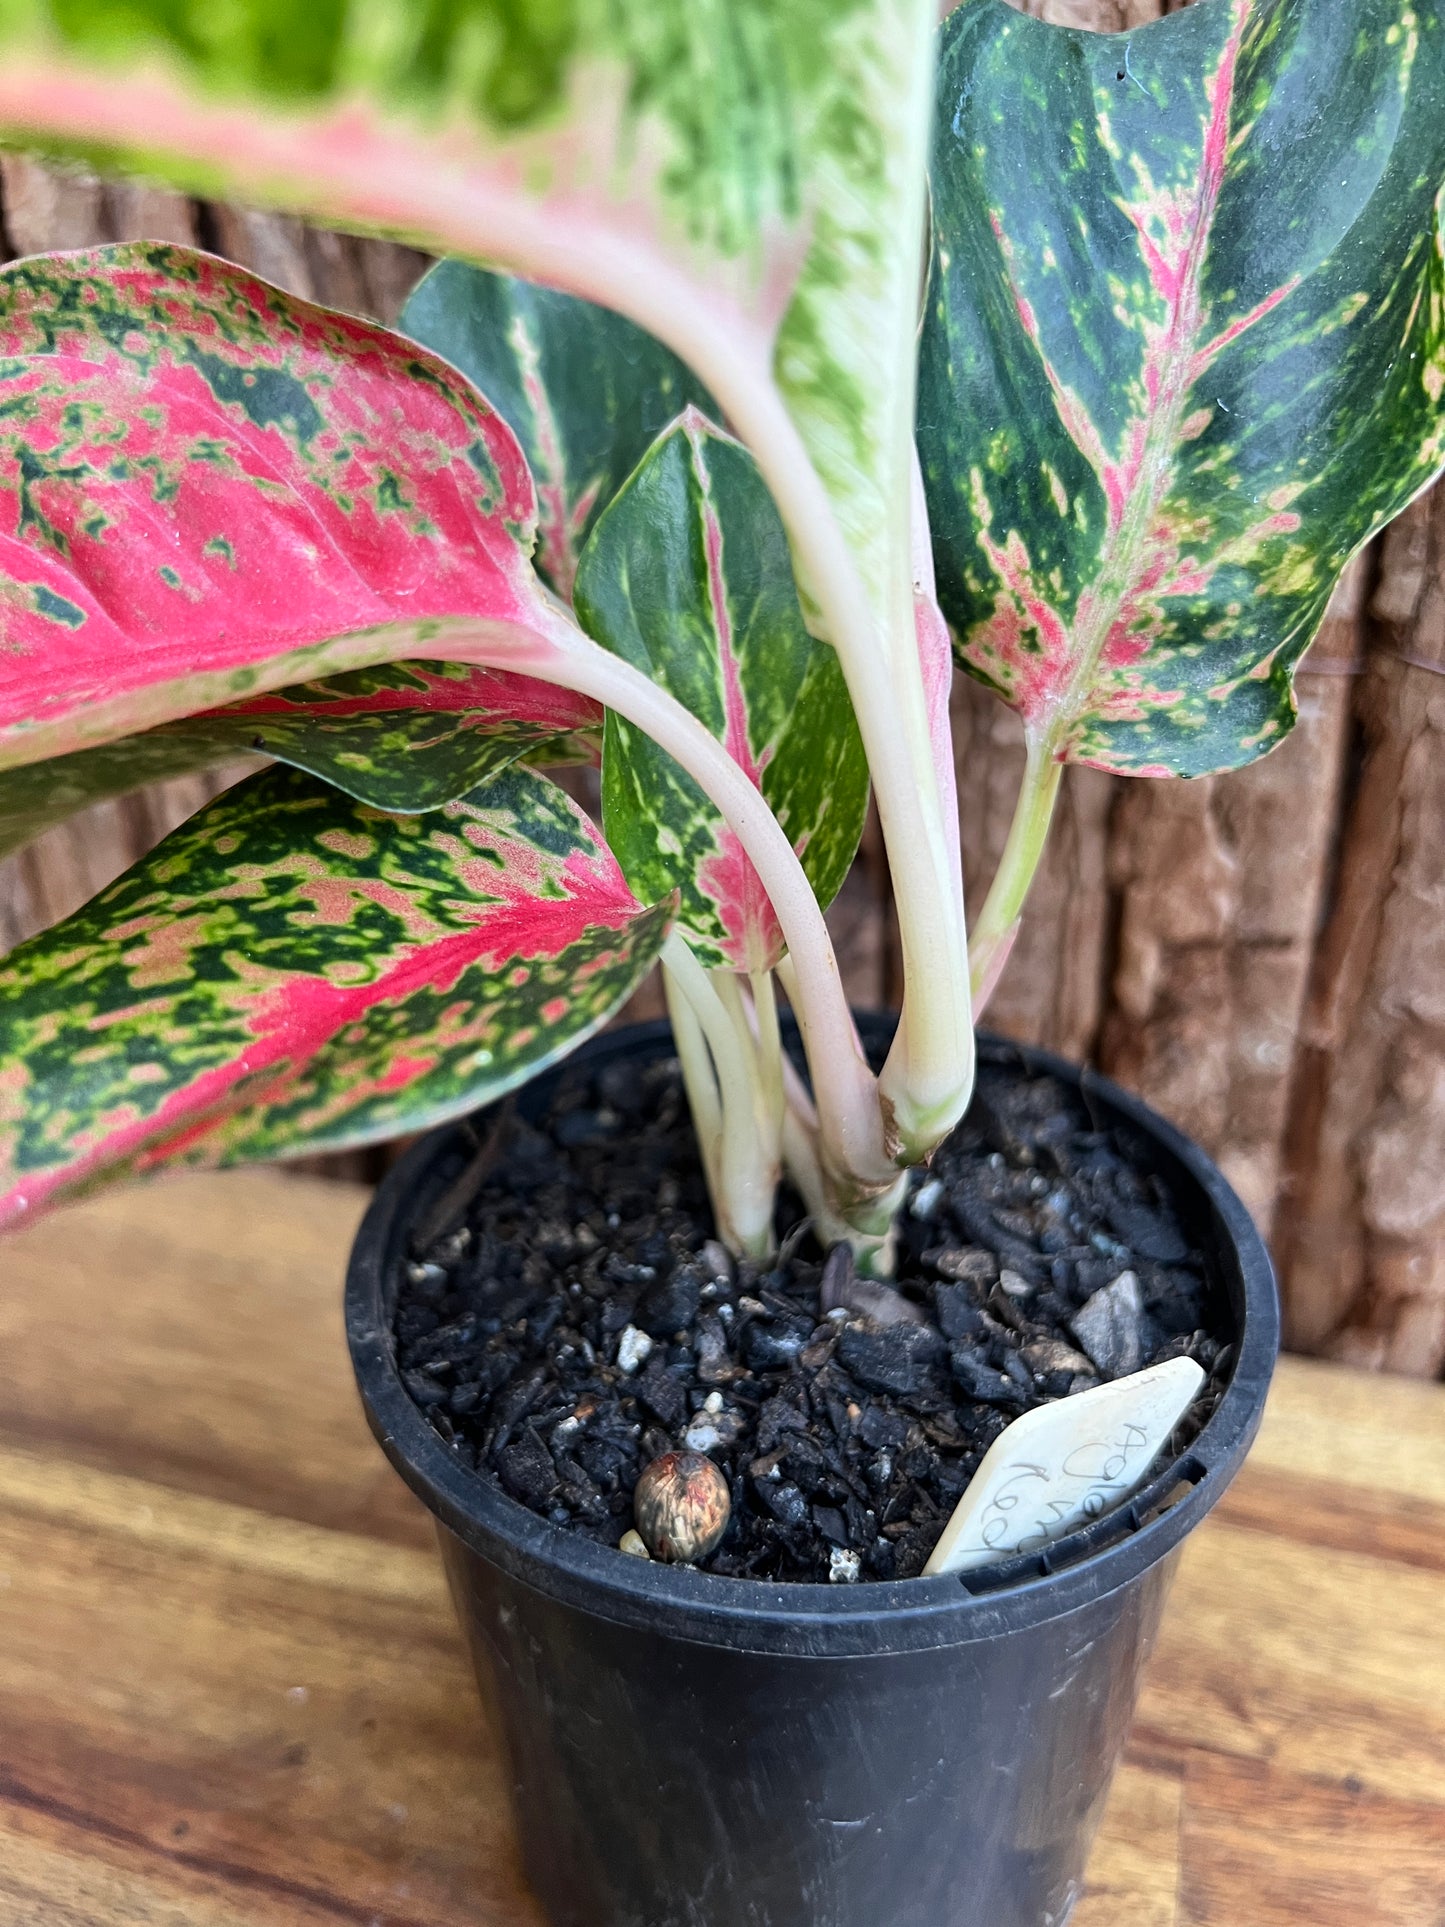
168,1280
231,1692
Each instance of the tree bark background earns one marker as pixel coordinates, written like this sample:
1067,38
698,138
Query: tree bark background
1261,955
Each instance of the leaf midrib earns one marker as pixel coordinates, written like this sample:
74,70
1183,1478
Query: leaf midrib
1120,554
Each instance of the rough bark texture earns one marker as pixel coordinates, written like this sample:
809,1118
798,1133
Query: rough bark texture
1362,1242
1220,886
1170,932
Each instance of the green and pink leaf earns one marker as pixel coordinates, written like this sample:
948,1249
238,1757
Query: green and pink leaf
294,971
216,488
411,736
404,737
687,576
1184,354
707,172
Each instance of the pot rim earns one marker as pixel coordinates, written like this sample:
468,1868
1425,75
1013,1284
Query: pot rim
804,1618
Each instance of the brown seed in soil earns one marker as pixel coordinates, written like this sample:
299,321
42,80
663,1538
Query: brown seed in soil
682,1506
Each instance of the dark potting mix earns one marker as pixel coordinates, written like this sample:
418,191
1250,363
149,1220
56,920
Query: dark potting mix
566,1319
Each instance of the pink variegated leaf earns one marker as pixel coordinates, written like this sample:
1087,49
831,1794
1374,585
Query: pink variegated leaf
209,488
295,971
1184,353
687,576
411,736
736,178
403,736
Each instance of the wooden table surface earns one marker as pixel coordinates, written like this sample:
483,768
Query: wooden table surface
232,1695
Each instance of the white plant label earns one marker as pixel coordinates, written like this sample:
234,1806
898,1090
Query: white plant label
1055,1469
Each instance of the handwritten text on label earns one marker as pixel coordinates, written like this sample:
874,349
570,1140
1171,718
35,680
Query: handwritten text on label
1055,1469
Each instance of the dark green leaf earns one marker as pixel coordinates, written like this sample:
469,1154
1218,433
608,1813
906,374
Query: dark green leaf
1184,354
403,736
583,390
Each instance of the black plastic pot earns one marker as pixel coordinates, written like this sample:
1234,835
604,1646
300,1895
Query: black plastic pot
693,1751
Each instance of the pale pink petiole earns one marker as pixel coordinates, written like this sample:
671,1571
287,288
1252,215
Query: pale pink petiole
846,1088
738,1128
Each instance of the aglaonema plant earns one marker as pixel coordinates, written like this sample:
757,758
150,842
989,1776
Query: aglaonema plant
802,350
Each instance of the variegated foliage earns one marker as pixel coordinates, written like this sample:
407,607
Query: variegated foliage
213,488
411,736
292,970
737,178
404,736
1184,353
687,576
745,180
584,390
212,483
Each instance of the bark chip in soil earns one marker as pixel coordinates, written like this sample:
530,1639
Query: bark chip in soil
581,1322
